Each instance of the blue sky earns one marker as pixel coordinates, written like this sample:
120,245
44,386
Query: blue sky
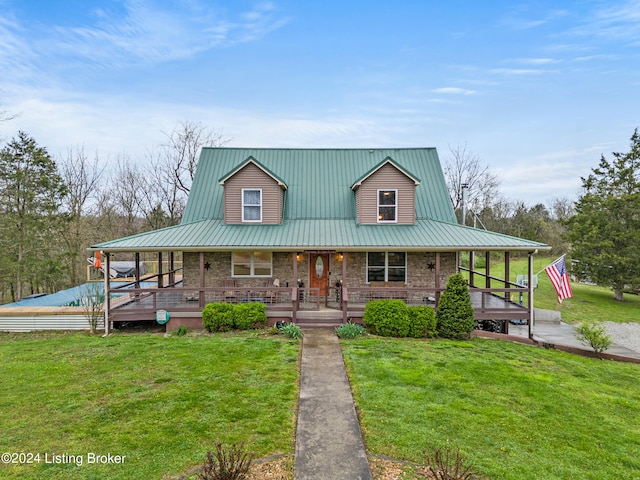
539,90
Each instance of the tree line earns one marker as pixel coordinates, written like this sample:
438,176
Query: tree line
51,210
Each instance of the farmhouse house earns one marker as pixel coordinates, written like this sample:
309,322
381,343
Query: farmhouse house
311,233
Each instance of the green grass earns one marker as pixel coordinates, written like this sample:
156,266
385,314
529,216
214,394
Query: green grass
589,302
516,411
160,402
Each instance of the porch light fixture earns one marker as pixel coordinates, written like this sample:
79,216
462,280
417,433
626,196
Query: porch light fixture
339,256
299,257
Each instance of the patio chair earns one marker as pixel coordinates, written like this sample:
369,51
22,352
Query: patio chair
230,294
271,296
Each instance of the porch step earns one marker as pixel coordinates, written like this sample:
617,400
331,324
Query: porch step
327,318
324,314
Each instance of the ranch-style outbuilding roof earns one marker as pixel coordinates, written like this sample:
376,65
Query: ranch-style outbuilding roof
318,206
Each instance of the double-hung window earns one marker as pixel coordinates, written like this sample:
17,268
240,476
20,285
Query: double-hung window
387,206
386,267
251,205
251,264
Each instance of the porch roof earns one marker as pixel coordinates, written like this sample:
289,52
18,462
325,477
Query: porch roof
313,234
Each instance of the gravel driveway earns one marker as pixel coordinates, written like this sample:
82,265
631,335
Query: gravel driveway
624,334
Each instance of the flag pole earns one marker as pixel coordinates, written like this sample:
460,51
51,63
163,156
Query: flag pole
559,258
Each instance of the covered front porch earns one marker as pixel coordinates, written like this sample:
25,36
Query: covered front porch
306,288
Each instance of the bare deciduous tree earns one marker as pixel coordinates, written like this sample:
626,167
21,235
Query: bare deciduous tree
82,178
464,167
179,155
126,187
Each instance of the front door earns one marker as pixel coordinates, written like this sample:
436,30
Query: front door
319,272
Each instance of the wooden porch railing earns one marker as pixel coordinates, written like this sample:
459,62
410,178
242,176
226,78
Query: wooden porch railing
127,303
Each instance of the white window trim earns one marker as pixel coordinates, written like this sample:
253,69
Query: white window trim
379,206
251,205
386,266
252,268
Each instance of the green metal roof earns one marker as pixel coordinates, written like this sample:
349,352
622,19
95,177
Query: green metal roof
344,235
319,181
319,210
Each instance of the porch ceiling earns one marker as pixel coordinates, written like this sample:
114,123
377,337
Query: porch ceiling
342,235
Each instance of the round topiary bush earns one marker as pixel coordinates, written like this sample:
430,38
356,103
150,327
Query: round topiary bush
454,316
387,318
422,321
249,316
217,317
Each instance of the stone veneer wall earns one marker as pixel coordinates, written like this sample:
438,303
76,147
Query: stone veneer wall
220,270
418,272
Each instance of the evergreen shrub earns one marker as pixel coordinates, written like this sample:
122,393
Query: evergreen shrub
222,316
454,316
387,318
422,321
218,317
249,316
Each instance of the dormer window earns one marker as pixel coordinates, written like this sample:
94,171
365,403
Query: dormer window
252,205
387,206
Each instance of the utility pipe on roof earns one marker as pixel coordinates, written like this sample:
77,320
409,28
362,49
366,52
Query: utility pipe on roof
465,187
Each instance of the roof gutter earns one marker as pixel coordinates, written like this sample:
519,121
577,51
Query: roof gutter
301,248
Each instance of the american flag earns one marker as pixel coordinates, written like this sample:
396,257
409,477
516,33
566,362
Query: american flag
559,277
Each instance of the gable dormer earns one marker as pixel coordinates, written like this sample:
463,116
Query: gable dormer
386,195
252,194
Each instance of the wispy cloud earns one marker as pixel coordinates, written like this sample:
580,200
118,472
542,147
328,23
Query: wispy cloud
147,32
620,22
538,61
529,17
454,91
16,56
517,71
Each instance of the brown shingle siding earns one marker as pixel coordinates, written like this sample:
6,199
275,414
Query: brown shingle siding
252,177
386,178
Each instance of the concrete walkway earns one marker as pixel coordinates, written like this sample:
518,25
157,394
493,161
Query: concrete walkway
564,334
329,443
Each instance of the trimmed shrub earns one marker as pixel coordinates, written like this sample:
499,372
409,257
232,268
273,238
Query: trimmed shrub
454,317
218,317
387,318
349,330
249,316
422,322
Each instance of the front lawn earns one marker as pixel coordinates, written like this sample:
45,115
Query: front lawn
159,402
518,412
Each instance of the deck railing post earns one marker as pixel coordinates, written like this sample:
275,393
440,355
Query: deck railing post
294,304
107,294
343,303
530,288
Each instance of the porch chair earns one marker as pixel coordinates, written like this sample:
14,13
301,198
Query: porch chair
230,294
271,296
